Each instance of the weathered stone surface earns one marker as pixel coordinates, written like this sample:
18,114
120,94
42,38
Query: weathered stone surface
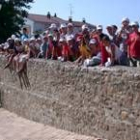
124,115
13,127
87,101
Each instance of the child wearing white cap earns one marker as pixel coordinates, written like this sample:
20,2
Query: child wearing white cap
122,37
63,30
70,30
114,53
95,54
133,43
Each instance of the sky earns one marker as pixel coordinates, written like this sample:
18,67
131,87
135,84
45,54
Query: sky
104,12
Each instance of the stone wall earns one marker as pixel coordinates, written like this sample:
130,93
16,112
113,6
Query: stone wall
95,101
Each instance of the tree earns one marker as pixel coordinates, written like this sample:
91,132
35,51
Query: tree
49,15
12,16
84,20
70,19
55,15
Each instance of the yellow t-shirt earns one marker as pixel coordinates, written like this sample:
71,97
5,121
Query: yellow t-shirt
26,49
85,52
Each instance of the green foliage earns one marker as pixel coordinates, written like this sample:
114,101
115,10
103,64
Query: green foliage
84,20
12,17
70,19
55,15
48,15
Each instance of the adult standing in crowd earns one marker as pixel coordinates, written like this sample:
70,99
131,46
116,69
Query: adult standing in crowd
133,43
24,34
122,37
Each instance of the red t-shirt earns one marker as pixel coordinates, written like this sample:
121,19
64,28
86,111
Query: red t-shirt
59,51
134,45
65,50
104,53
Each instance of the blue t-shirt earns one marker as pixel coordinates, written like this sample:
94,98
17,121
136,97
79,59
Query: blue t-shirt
24,36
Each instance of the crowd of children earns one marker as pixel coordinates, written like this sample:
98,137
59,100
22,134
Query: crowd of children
89,47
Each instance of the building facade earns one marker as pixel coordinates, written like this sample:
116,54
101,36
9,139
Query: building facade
36,23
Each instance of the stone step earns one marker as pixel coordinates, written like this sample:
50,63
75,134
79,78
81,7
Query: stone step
13,127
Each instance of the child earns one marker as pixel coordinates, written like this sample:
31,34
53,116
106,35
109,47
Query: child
85,51
95,54
114,53
65,50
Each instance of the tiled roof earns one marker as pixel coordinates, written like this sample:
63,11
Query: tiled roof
56,20
44,19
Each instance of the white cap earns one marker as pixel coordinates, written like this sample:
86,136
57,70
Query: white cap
134,24
13,37
125,19
50,35
84,27
93,41
46,32
6,46
70,37
32,39
61,39
25,40
108,26
9,39
63,26
17,39
70,24
39,38
53,25
99,27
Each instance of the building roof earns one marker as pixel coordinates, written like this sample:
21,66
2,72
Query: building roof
44,18
56,20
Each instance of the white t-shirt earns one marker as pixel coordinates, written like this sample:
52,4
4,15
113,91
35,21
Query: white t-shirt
118,52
